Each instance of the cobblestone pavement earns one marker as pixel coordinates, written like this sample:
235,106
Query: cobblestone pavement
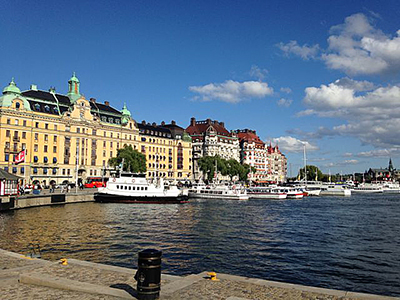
223,289
193,287
28,291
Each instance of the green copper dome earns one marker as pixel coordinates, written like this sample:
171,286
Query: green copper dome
125,111
73,78
12,88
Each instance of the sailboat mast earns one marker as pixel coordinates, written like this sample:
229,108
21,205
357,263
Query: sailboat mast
305,164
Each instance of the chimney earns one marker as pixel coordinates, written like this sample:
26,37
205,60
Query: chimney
33,87
193,121
93,100
154,124
173,122
52,90
144,122
107,103
208,121
222,124
162,123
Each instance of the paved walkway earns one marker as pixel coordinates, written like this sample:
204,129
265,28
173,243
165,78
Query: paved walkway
25,278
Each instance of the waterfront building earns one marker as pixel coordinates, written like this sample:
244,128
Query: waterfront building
210,138
389,173
67,137
168,150
269,162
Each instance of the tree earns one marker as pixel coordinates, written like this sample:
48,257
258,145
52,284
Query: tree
134,161
313,173
207,166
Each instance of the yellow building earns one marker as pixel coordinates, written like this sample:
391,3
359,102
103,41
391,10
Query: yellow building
67,137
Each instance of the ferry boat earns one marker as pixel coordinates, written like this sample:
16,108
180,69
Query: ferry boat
220,192
294,193
266,193
368,188
135,188
335,190
391,187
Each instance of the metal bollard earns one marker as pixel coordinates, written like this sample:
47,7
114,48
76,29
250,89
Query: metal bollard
148,275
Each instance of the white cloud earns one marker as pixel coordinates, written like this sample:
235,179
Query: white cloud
284,102
258,73
286,90
373,116
354,47
305,52
357,47
232,91
342,163
291,144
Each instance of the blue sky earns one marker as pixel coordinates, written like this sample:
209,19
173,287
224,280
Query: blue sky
315,72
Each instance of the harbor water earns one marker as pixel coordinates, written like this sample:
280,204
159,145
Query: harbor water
350,243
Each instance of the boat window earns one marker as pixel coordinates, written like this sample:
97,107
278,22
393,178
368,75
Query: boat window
117,186
145,188
126,187
134,188
142,188
130,188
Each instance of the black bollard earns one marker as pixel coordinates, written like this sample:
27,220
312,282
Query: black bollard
148,275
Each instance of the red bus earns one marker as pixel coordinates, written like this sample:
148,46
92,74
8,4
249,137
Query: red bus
95,182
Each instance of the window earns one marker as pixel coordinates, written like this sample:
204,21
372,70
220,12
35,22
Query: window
78,130
23,146
54,149
24,122
7,133
44,170
55,127
16,122
111,134
68,171
45,159
46,137
22,170
24,135
104,152
111,154
17,105
104,144
111,144
37,124
36,136
54,171
94,132
34,170
47,108
35,147
63,171
7,157
8,121
54,160
45,148
37,106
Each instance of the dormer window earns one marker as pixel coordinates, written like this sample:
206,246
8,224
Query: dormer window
104,119
17,105
117,121
47,108
55,110
110,120
37,106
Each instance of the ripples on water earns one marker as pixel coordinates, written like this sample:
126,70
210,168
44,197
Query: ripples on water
348,243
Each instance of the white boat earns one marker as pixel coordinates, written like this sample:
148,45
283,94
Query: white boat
293,192
135,188
312,191
266,193
335,190
391,187
220,192
368,188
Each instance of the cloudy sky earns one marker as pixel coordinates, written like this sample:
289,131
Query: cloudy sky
315,73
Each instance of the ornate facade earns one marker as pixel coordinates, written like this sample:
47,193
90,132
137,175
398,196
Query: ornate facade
67,137
268,161
210,138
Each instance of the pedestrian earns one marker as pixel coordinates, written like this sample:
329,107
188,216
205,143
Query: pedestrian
68,188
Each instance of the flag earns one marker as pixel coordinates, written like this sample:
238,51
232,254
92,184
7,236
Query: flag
20,157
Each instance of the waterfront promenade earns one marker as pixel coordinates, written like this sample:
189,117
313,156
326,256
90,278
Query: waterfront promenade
24,278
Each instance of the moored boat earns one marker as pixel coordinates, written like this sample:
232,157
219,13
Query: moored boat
266,193
335,190
220,192
135,188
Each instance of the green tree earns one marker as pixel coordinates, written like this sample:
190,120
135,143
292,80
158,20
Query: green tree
134,161
207,166
313,173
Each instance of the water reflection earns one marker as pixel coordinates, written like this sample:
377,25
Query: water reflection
343,243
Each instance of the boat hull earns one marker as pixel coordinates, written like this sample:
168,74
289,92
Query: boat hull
110,198
218,197
268,196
